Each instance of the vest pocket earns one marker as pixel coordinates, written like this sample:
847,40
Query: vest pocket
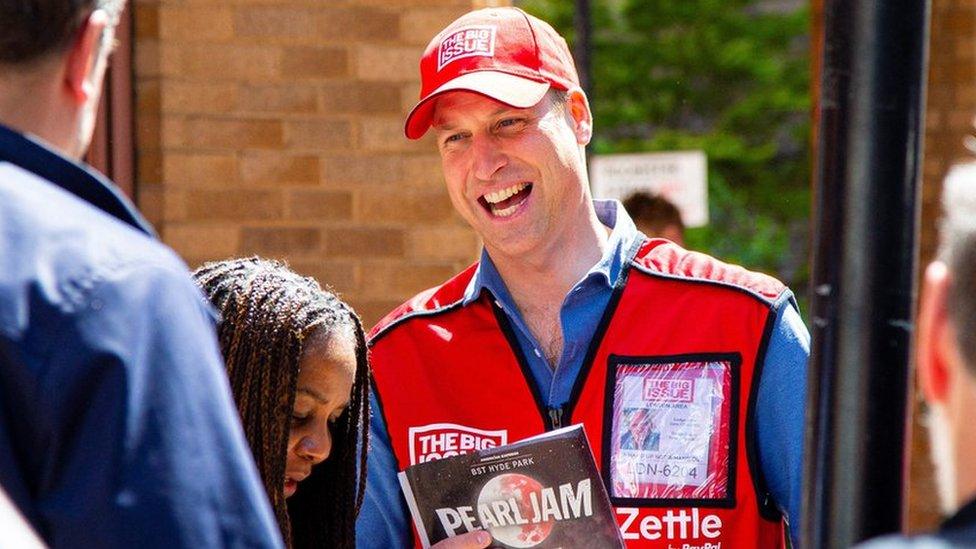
670,430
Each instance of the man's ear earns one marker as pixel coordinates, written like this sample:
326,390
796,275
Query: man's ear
933,346
80,78
579,110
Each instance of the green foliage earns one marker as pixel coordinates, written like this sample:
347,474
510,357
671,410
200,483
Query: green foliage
725,76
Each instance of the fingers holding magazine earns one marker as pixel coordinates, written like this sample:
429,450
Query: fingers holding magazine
471,540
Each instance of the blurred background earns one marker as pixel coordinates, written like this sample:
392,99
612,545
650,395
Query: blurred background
729,78
274,127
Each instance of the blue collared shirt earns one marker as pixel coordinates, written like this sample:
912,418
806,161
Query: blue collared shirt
779,408
581,309
117,426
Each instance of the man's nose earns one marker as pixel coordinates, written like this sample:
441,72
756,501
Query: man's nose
488,157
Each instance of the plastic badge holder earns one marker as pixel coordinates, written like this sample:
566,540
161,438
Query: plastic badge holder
670,428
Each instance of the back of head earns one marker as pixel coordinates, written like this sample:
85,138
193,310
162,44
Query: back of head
33,29
53,58
653,213
958,251
267,312
946,342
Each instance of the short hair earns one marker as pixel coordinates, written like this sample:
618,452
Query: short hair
31,29
958,251
655,211
267,312
557,96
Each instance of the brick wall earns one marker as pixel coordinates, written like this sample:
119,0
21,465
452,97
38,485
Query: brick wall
948,120
274,127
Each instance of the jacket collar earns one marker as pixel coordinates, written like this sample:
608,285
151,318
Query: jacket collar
76,178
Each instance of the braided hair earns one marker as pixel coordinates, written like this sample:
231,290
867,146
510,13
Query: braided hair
267,313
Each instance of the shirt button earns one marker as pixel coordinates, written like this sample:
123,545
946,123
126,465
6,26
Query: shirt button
537,353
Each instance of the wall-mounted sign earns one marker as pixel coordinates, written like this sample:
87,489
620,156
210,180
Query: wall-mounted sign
681,177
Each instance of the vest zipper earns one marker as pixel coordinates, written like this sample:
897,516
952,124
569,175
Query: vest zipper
555,418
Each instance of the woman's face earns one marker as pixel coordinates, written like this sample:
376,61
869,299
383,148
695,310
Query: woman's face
325,378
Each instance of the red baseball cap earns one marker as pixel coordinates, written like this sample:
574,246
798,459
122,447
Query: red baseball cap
502,53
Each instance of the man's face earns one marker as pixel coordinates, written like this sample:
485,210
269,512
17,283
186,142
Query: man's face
949,389
517,176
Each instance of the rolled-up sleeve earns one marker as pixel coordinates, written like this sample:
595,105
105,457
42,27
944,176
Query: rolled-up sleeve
780,410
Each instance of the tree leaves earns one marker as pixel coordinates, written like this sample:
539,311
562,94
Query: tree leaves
730,77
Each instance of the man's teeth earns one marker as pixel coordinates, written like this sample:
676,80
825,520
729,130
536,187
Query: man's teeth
506,212
498,196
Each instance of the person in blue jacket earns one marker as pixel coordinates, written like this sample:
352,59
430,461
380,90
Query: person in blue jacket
117,427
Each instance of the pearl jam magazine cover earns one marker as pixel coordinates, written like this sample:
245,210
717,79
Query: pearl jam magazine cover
543,492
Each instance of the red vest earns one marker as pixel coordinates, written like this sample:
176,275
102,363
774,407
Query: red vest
666,393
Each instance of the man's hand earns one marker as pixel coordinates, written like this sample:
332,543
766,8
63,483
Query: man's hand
471,540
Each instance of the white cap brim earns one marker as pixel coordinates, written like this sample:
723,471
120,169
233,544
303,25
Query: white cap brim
513,90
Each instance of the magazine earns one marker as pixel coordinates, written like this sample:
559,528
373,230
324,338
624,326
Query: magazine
543,492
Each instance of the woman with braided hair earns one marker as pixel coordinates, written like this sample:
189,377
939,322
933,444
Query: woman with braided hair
296,360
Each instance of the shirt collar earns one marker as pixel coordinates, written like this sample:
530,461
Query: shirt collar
623,235
74,177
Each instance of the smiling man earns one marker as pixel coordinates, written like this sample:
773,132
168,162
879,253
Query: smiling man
573,316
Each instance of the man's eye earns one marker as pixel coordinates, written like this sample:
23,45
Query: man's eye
508,123
453,138
298,419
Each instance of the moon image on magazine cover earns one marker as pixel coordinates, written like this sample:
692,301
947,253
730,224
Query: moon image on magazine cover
521,490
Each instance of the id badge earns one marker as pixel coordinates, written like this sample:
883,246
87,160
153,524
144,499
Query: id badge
671,428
